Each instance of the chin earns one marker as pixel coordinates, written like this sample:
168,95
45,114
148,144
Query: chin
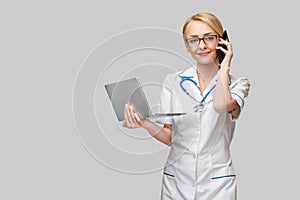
203,61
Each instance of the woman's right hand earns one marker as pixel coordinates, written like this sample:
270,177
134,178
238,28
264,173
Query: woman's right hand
132,118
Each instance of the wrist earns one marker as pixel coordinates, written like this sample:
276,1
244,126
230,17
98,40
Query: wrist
146,124
224,70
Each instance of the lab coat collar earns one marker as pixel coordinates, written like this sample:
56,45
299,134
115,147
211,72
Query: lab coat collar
192,73
189,73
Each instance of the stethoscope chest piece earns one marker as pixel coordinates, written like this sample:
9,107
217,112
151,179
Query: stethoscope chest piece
198,108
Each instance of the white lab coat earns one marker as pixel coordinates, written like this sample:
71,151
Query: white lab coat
199,165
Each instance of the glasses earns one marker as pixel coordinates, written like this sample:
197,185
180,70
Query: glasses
209,39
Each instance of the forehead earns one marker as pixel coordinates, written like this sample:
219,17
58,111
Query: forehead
198,28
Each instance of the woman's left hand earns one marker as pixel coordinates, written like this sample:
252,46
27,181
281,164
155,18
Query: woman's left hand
225,64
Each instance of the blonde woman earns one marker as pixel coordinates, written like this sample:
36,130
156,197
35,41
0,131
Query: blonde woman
199,164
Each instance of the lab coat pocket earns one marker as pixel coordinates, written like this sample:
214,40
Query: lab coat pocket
223,172
223,183
169,184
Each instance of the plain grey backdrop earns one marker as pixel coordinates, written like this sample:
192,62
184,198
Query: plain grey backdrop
43,46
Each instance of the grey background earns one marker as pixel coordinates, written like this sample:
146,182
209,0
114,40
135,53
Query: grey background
43,45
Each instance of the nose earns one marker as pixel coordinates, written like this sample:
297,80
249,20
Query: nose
202,44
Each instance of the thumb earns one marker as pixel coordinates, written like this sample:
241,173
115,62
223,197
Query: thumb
138,118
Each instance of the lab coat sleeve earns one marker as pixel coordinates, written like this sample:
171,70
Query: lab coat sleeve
239,91
165,103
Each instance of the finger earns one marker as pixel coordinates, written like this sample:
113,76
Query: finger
141,122
222,49
222,40
137,119
131,110
225,42
124,123
229,47
227,51
128,118
132,114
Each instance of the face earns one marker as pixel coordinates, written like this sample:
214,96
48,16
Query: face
204,52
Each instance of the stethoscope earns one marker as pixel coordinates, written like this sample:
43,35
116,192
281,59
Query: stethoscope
200,104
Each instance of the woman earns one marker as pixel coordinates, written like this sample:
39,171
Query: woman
199,164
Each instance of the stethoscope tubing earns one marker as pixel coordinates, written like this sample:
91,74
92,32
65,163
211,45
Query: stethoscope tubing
183,79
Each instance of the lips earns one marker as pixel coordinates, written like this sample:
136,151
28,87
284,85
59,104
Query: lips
203,53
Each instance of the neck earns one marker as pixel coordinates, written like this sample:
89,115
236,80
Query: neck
207,72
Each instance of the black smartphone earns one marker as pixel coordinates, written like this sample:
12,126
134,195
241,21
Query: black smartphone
220,53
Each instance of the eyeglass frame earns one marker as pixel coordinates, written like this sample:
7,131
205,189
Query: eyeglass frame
199,39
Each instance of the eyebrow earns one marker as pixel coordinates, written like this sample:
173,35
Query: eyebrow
198,35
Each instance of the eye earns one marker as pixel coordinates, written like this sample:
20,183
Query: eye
209,38
193,40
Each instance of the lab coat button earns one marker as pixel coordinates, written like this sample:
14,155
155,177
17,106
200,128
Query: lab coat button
194,156
193,184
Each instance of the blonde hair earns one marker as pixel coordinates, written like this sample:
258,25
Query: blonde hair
207,18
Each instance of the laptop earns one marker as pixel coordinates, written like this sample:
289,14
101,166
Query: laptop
131,91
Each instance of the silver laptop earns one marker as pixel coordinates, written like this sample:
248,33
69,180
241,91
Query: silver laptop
130,91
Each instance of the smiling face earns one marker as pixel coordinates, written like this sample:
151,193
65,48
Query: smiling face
205,52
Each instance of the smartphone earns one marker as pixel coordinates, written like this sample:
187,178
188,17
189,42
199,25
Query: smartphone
220,53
